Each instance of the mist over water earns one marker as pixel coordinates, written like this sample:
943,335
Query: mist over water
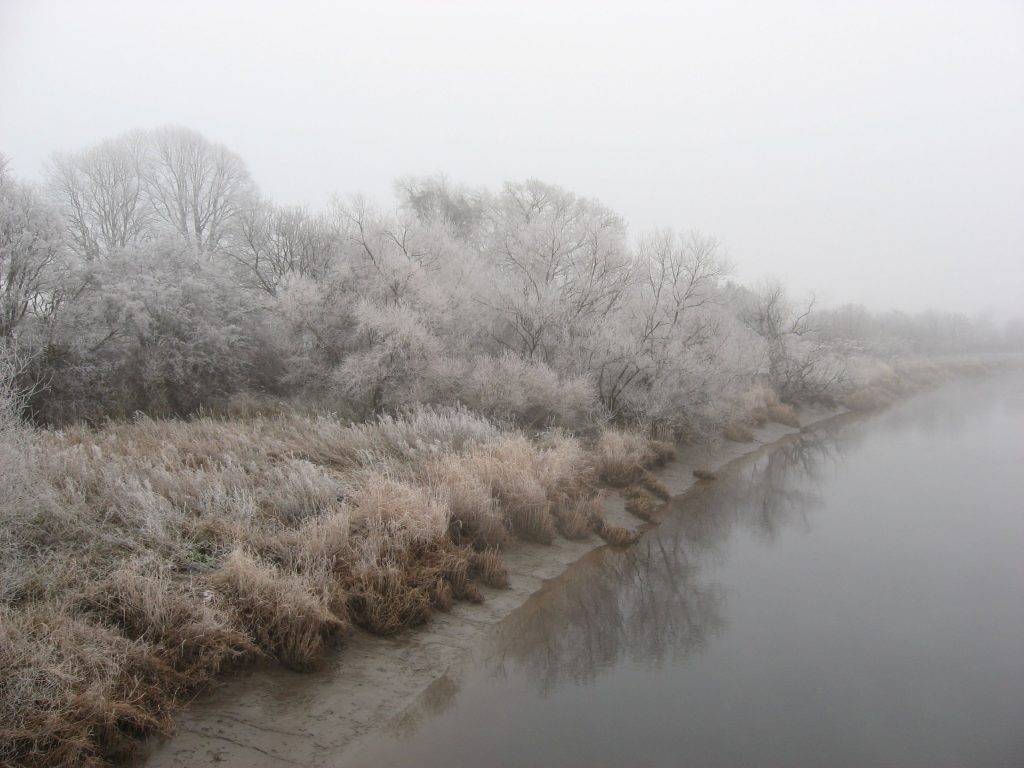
851,597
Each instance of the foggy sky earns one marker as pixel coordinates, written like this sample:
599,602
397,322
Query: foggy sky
870,151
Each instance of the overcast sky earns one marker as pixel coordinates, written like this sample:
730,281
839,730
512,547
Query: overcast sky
870,151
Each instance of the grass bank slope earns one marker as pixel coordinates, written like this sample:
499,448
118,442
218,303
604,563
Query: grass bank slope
143,559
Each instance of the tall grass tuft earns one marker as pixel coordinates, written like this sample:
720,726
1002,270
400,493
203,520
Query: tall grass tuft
276,609
622,456
640,503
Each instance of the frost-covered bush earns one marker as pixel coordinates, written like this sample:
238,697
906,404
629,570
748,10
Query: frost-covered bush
529,392
530,303
157,329
400,361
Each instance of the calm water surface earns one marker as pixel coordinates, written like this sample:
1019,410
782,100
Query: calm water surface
854,597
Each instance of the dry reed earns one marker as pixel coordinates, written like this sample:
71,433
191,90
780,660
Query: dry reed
145,558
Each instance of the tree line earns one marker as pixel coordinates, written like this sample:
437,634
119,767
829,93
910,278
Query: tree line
148,274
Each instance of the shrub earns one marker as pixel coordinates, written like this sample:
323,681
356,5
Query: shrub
530,393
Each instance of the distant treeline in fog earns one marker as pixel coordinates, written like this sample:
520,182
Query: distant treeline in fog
149,274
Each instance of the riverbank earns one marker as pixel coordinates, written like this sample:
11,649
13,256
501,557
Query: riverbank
797,611
146,561
278,718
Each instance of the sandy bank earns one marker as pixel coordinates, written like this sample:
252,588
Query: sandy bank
274,717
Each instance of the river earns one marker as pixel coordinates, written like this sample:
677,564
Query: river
853,596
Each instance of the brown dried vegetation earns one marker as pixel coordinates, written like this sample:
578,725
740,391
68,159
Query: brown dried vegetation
143,559
654,486
276,609
613,535
738,433
621,456
640,503
487,568
781,413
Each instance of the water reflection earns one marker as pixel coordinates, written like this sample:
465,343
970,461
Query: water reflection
890,635
438,698
653,603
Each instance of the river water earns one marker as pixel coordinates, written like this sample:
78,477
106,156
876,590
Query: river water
853,596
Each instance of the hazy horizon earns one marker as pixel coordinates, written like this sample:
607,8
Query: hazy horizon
870,152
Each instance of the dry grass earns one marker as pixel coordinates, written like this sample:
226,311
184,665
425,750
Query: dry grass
640,503
143,559
781,413
573,514
396,587
875,384
622,456
513,469
444,561
738,433
763,405
384,603
188,631
75,692
661,451
474,516
401,508
486,566
654,486
613,535
276,609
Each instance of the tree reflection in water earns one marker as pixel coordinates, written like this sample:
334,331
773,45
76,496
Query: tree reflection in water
651,602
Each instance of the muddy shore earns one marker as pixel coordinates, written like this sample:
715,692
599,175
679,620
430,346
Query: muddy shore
274,717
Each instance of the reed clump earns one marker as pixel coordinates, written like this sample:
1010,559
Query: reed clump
613,535
623,456
487,568
384,602
276,609
573,514
654,486
641,504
